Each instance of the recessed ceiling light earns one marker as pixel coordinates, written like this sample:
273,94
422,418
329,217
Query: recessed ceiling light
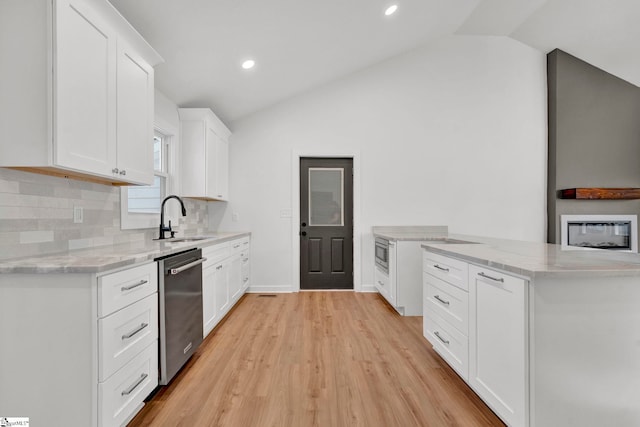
391,9
249,63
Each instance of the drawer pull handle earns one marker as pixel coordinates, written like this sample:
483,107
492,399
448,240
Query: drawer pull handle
219,267
246,279
437,334
441,268
236,246
441,300
245,260
128,288
132,333
380,283
128,391
495,279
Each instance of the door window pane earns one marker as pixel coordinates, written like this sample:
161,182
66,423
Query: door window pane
326,196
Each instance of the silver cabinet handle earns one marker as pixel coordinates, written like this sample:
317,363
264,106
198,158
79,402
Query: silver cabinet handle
440,338
133,386
495,279
236,246
441,300
132,333
123,172
128,288
179,270
245,260
380,283
114,170
246,279
440,268
219,267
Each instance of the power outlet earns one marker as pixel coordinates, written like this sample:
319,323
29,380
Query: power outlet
78,215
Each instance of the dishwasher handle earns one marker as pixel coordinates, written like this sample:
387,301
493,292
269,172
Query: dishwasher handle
174,271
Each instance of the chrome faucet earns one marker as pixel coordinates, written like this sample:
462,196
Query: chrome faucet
164,228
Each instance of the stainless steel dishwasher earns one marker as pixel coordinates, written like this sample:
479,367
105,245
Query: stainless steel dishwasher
180,310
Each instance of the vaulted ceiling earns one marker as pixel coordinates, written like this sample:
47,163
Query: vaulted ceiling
302,44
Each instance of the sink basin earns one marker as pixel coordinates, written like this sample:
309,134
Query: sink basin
452,241
184,239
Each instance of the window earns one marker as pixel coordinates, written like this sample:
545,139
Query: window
147,199
141,204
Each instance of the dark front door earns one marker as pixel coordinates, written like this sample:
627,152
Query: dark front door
326,223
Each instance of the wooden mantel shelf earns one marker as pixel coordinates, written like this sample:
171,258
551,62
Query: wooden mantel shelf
600,193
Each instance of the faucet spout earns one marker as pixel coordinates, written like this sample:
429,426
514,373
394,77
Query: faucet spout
164,228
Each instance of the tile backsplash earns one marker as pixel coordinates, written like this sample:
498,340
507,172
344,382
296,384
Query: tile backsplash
36,215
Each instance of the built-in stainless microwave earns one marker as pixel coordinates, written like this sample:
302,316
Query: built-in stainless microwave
615,232
382,254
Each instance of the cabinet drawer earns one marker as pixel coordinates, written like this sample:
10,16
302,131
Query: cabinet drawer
237,245
215,253
383,284
125,333
246,269
449,343
448,269
122,395
447,301
118,290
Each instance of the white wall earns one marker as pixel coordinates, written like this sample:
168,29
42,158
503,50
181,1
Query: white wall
450,134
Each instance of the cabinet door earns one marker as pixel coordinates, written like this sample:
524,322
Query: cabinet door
84,90
209,313
235,277
134,117
498,353
246,271
222,168
211,177
221,284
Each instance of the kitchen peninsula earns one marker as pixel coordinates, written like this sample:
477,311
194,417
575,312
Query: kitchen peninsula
545,336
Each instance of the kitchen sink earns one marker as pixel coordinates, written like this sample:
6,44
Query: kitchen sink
184,239
452,241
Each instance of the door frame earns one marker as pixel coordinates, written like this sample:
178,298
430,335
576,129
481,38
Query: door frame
295,213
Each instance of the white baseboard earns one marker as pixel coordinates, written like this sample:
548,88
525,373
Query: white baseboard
288,289
368,288
269,289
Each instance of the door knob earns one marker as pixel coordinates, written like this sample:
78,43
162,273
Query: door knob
303,233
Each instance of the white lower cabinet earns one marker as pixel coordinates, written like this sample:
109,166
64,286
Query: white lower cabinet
86,341
483,333
122,395
221,288
225,278
209,311
235,277
498,367
127,342
448,342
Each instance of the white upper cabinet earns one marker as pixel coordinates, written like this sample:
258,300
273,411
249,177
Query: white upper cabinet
134,116
79,99
205,154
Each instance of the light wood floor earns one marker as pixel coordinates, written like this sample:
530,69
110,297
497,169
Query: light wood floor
316,359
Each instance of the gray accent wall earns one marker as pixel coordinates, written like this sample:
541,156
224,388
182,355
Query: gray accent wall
594,137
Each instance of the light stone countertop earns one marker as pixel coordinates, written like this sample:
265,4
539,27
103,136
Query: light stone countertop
104,258
412,232
538,260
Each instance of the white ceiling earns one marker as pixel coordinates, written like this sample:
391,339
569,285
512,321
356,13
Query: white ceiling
302,44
